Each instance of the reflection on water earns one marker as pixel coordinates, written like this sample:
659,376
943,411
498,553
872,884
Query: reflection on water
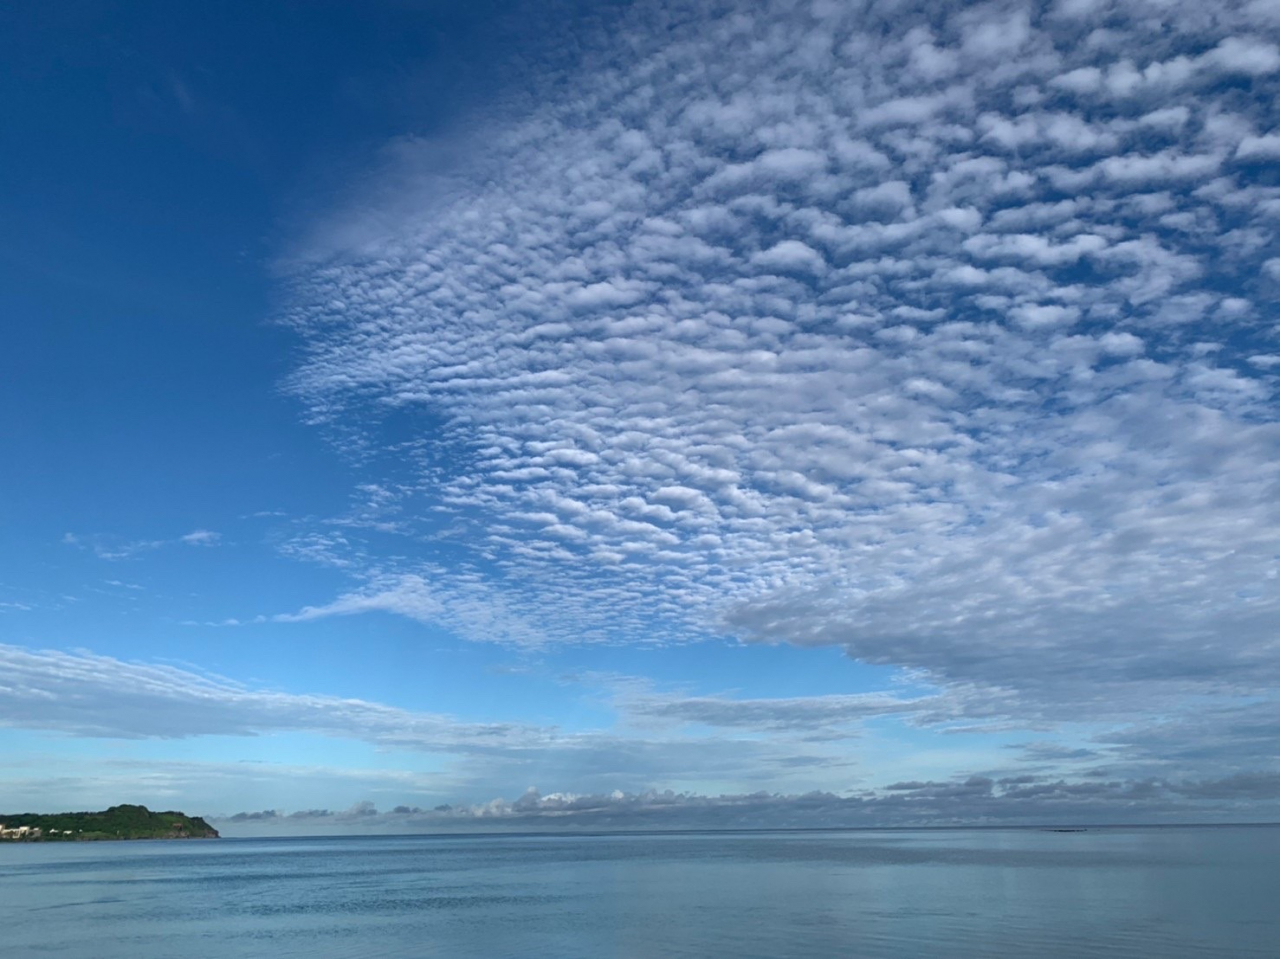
1151,892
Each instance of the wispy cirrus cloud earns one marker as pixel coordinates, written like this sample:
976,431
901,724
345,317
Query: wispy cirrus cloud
201,537
791,749
88,695
114,548
85,695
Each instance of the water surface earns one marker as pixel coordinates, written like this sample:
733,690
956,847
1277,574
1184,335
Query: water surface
990,893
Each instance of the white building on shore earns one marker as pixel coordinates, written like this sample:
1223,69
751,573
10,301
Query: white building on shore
19,832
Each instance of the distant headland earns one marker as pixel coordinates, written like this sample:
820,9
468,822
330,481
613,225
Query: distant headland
118,822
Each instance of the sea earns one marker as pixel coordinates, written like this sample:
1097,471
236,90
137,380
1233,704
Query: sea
1153,892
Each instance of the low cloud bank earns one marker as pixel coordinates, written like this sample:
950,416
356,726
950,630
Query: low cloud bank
976,800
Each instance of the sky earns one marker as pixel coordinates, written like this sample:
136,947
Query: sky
425,416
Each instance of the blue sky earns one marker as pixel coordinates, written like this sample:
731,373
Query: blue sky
428,416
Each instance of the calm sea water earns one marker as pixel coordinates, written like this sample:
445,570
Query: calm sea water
1155,892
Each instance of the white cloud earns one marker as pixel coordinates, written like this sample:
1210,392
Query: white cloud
882,342
1026,799
1259,148
116,548
661,740
88,695
85,695
790,256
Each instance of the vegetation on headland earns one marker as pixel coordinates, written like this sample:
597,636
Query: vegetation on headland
118,822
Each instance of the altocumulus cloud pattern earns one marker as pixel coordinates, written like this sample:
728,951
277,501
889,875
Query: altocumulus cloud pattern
942,333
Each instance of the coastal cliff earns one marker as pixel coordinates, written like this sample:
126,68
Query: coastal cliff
118,822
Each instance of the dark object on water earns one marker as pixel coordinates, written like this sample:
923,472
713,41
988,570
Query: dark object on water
1066,830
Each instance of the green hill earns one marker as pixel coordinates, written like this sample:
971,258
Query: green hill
118,822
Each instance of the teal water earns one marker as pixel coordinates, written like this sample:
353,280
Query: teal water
1118,892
